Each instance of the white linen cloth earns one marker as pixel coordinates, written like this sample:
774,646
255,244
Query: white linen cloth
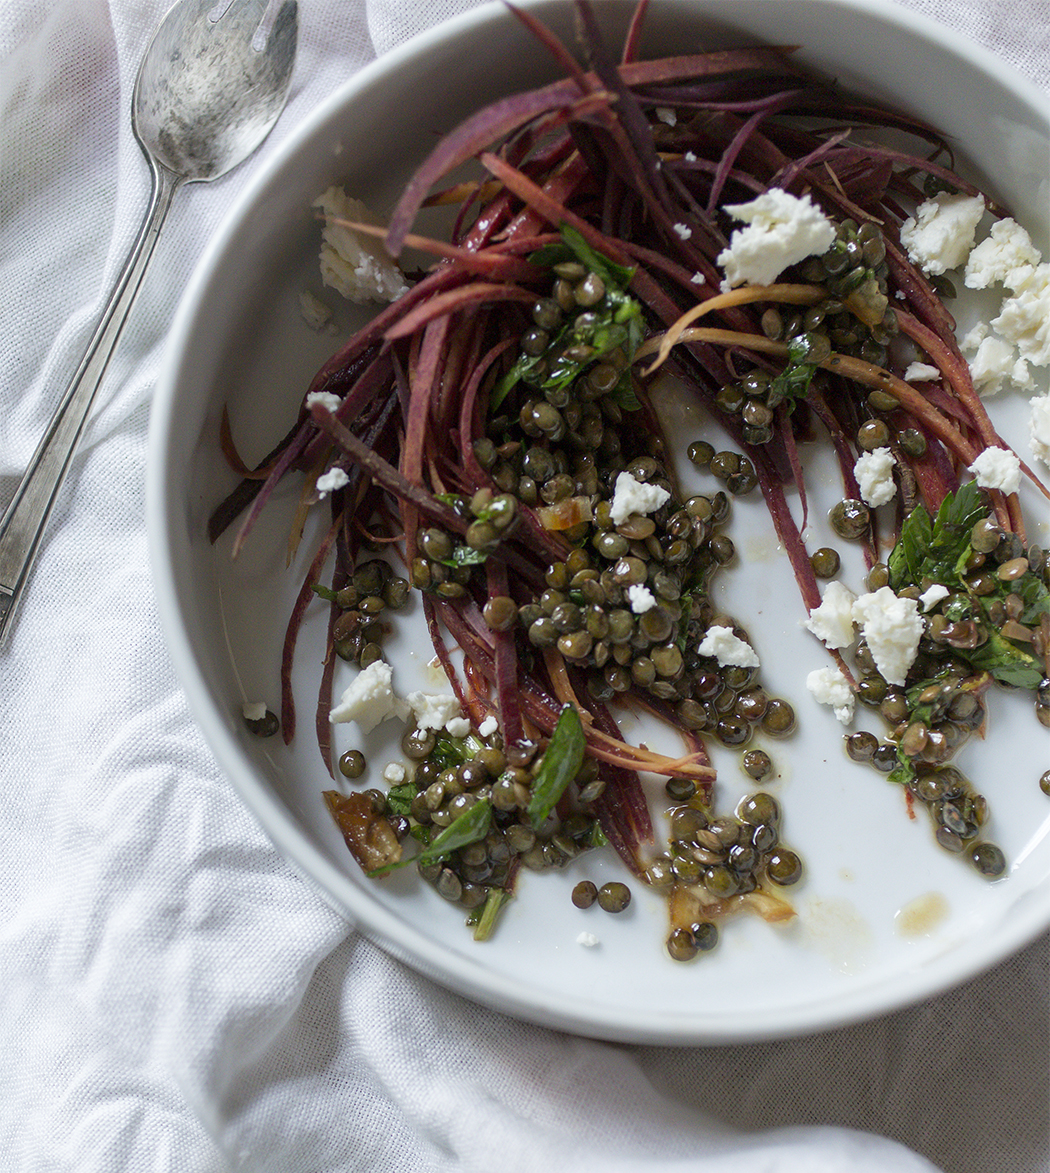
172,996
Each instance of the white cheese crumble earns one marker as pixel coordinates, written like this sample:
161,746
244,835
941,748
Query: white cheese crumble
432,710
355,265
892,627
697,279
458,727
830,687
370,699
641,598
1024,319
997,468
667,115
992,365
488,726
683,231
941,233
973,338
728,649
1005,257
933,594
690,156
874,473
394,773
328,482
1039,429
314,311
587,940
634,496
254,710
921,372
782,230
832,621
326,399
1021,376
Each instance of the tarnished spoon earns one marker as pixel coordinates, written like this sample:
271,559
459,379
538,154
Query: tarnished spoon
212,83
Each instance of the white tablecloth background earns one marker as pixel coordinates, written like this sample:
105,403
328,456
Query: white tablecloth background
172,996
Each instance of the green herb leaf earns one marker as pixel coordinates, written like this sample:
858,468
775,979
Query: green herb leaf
937,549
1007,662
399,798
323,592
465,556
561,763
472,825
614,275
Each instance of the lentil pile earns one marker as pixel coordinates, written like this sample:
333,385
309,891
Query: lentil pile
493,428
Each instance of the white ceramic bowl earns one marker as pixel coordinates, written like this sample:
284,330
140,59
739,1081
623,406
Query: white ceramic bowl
884,917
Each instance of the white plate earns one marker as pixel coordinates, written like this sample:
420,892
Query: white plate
885,917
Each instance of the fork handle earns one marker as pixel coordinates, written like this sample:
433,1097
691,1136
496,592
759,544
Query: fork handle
26,517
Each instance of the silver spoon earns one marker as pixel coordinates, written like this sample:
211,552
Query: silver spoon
212,83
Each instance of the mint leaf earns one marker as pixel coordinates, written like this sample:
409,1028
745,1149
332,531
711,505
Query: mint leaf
1007,662
561,763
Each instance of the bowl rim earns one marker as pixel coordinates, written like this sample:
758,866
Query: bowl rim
464,975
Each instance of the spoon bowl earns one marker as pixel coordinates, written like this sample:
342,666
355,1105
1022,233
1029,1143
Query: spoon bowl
185,112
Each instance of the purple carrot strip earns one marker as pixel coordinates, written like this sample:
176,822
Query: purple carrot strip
387,476
457,299
505,662
787,438
736,145
503,117
291,633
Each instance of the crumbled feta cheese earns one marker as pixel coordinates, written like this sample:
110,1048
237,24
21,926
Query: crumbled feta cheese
587,940
458,727
394,773
921,372
432,710
1039,429
973,338
326,399
690,156
254,710
697,279
997,468
941,233
370,699
781,231
634,496
933,594
488,726
683,231
314,311
892,627
328,482
641,598
830,687
355,265
1021,376
1005,257
992,365
874,473
728,649
667,114
832,621
1025,318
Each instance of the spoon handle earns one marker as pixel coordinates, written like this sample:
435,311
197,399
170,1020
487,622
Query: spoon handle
25,518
